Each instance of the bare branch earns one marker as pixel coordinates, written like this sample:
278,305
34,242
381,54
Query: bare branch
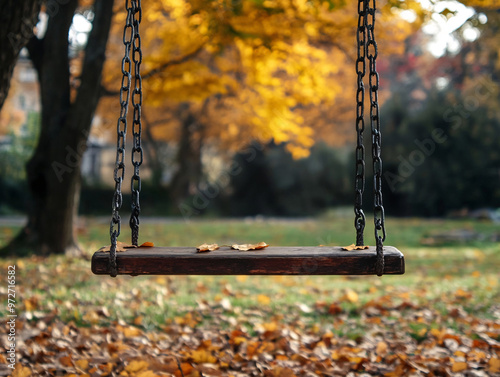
172,62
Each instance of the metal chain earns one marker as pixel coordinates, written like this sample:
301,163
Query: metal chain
379,215
137,153
359,184
121,129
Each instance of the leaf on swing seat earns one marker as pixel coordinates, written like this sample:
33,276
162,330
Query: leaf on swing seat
354,247
147,244
245,247
120,246
205,248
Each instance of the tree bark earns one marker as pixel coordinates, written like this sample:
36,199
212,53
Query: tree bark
18,18
189,173
53,172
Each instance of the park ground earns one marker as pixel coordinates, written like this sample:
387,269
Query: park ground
442,318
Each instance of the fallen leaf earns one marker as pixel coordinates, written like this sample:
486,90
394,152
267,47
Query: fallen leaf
136,365
21,371
82,364
350,296
382,348
494,365
206,248
131,332
147,373
147,244
202,356
66,361
263,299
458,366
354,247
120,246
246,247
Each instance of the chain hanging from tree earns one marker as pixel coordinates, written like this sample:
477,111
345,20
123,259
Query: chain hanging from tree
367,50
359,185
131,41
137,153
378,209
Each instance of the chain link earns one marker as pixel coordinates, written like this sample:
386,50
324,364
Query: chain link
121,129
359,185
373,79
137,152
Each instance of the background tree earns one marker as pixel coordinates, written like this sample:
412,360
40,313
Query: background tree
226,73
68,106
18,19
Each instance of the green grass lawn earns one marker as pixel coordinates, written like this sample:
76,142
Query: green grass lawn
449,295
431,272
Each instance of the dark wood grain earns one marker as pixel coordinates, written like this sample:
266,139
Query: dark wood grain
315,260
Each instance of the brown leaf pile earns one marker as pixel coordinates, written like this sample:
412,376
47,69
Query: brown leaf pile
274,347
67,327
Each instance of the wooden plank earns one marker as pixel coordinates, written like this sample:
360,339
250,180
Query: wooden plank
317,260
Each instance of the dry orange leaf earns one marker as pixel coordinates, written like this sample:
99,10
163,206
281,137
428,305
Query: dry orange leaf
206,248
263,299
246,247
354,247
66,361
350,296
382,348
458,366
120,246
136,365
494,365
21,371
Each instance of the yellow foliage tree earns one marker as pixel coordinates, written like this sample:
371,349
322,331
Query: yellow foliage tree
253,70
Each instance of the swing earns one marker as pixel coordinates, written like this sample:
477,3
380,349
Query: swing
320,260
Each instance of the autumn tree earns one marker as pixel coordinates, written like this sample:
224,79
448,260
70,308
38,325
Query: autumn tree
68,105
18,19
232,72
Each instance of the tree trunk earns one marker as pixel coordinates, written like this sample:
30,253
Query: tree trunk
54,170
152,150
18,17
187,178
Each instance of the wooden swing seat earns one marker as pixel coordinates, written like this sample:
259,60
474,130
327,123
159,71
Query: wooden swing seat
317,260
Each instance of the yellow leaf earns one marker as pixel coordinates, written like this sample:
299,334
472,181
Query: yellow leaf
381,348
494,365
354,247
21,371
147,373
202,356
398,372
206,248
238,340
350,296
458,366
131,332
136,365
82,364
263,299
245,247
120,246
